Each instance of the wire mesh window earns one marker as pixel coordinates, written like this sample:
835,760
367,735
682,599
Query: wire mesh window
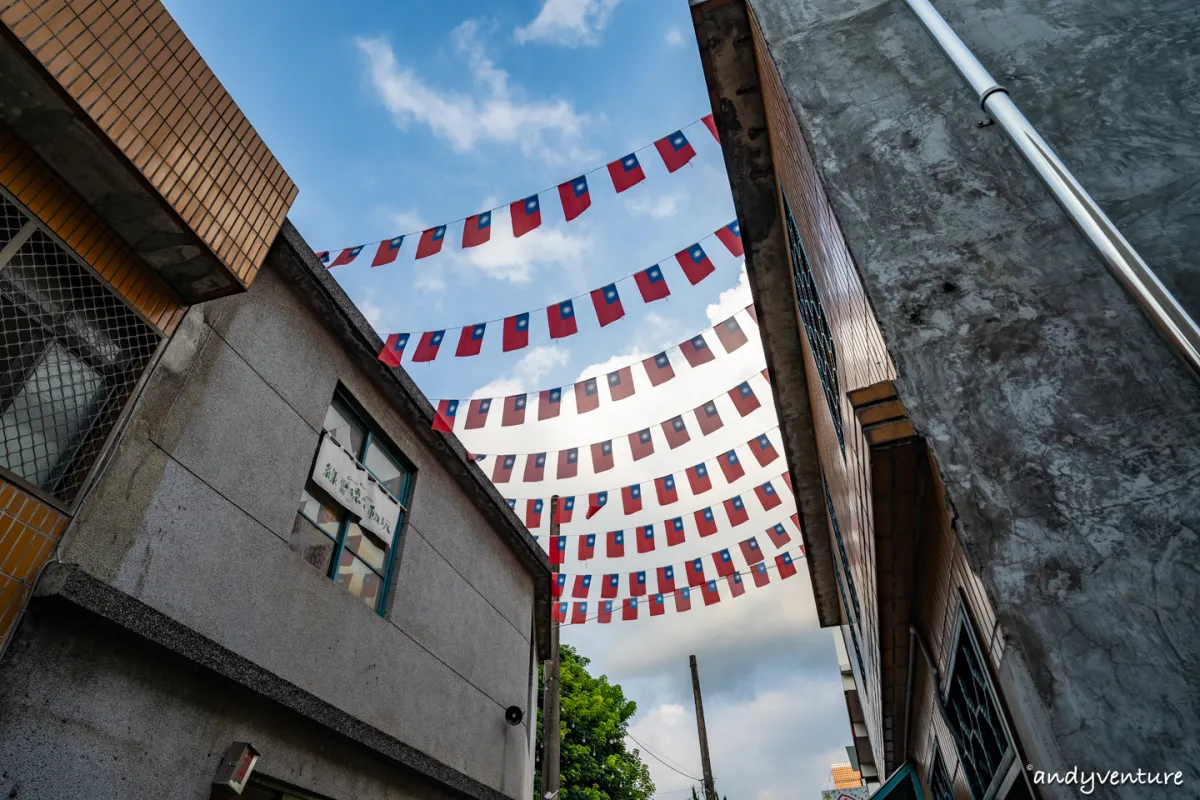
72,354
816,324
940,787
855,623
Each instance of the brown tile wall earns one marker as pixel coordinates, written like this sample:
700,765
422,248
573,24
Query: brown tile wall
29,530
136,75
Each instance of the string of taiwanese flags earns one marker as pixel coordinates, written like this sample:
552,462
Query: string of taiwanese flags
575,195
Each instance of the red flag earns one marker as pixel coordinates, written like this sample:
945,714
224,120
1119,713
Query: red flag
514,410
765,373
723,561
767,496
549,403
575,197
667,493
556,588
675,531
683,600
787,480
477,413
470,341
558,549
602,456
526,215
695,572
579,614
477,229
658,369
657,606
630,610
778,535
583,586
676,432
699,479
645,539
652,284
710,593
706,522
323,257
533,513
610,585
675,150
631,499
731,237
561,317
666,580
735,509
708,418
443,420
431,242
744,399
695,263
763,450
516,332
387,252
626,172
535,468
731,466
393,348
697,351
753,312
786,568
711,124
587,396
761,576
736,587
346,256
796,521
596,501
751,551
605,615
502,473
731,334
620,383
616,544
568,463
641,444
587,547
637,584
607,301
560,612
566,509
427,348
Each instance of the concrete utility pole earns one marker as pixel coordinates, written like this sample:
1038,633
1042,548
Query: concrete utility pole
710,789
550,702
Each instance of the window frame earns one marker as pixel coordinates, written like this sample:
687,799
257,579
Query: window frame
938,770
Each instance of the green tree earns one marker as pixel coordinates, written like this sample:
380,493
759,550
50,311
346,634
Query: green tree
594,762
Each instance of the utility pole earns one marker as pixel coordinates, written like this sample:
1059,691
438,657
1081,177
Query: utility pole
550,701
710,789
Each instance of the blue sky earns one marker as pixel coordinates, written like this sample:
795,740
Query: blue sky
392,117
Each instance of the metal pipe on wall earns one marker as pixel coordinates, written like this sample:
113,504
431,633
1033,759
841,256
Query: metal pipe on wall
1124,263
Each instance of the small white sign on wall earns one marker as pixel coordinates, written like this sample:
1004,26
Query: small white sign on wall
349,483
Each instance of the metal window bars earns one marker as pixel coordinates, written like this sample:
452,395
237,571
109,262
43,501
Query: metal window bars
973,714
940,786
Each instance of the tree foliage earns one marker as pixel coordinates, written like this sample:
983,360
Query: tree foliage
594,718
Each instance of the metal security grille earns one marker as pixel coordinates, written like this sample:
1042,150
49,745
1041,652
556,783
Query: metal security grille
816,324
974,716
856,623
71,355
939,779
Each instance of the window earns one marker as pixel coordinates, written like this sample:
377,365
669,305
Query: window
71,354
343,537
856,622
816,324
940,787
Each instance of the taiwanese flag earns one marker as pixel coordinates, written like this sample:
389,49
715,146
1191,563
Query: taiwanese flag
560,612
637,584
566,509
512,504
796,521
629,610
706,522
765,373
731,334
587,547
558,549
610,586
323,257
605,615
697,351
675,531
587,396
477,229
666,580
767,496
732,466
751,551
753,312
731,237
708,590
579,614
602,457
641,444
652,284
346,256
657,606
596,501
724,562
631,499
427,348
526,215
620,383
626,172
607,301
683,600
736,510
535,467
676,432
575,197
695,264
504,467
711,124
514,410
431,241
443,420
616,544
787,479
695,572
556,589
786,568
516,332
568,463
744,399
763,450
393,348
779,535
562,320
470,341
549,403
675,150
387,252
736,587
658,369
583,586
476,456
699,479
667,493
761,576
709,418
645,539
477,413
533,513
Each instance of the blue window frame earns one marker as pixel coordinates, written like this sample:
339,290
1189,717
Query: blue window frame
940,787
902,785
328,536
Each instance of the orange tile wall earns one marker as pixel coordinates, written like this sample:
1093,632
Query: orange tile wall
29,530
136,75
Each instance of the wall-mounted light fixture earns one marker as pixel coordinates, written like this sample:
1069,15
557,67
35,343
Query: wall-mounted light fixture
235,770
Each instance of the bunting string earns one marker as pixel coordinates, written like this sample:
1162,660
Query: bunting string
575,195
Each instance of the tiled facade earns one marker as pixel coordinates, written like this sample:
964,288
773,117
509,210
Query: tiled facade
29,531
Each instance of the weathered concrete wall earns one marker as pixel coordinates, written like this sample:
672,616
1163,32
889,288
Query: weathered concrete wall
1066,432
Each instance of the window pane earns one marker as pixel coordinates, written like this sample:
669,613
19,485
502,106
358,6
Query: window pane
311,543
357,578
366,546
320,509
385,469
349,434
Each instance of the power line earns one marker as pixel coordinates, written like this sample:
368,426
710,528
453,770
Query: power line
661,759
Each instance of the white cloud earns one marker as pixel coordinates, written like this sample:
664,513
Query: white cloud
508,258
372,312
674,37
409,221
731,301
611,365
533,366
568,22
661,207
